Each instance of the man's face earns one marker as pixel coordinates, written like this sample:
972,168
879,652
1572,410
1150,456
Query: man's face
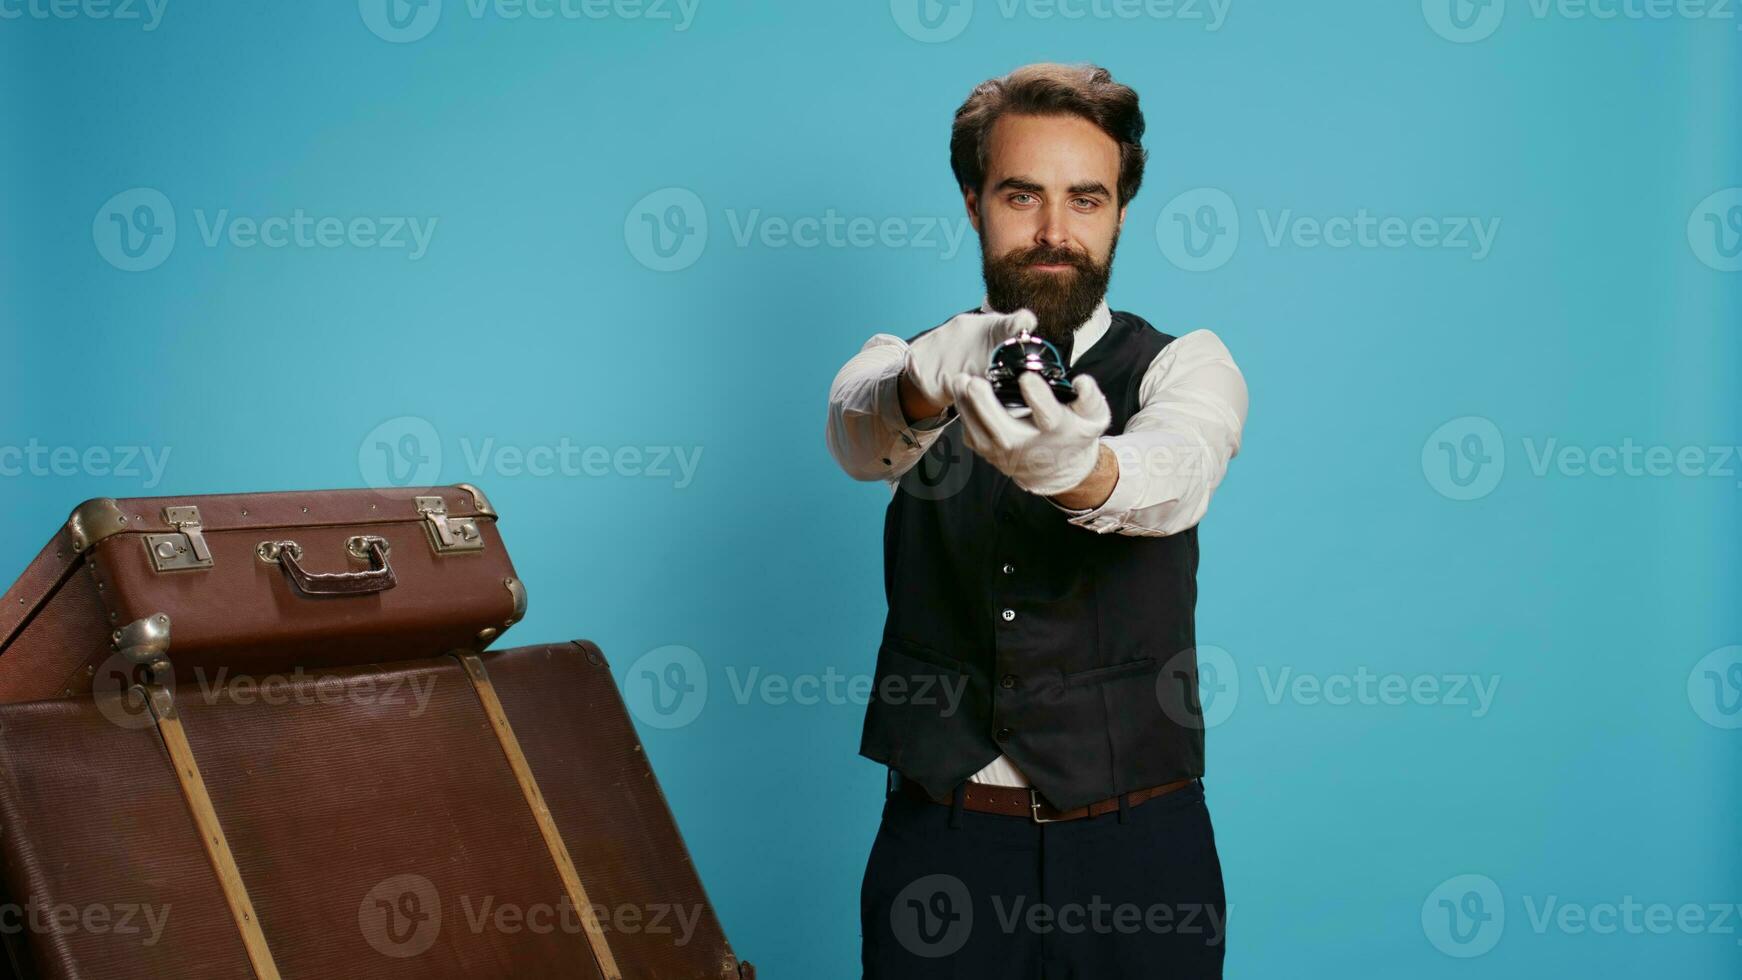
1048,218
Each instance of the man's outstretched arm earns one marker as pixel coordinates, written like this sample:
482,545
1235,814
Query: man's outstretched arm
1157,477
869,432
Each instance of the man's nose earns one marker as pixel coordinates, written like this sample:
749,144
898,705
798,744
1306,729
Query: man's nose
1052,232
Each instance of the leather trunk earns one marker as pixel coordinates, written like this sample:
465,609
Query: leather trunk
379,823
373,575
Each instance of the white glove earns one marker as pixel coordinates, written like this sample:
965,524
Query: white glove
962,344
1048,453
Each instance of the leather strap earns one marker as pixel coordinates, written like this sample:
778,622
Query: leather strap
193,787
553,839
1017,801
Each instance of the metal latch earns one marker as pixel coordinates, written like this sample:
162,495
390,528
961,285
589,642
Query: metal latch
185,547
449,534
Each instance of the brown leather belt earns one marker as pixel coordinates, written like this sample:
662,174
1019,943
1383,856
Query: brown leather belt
1016,801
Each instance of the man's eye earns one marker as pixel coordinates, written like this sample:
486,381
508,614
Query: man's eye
1022,198
1087,202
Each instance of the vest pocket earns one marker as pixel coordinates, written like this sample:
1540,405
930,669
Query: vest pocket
924,654
1096,675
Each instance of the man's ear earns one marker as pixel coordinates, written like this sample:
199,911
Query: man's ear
971,201
1121,217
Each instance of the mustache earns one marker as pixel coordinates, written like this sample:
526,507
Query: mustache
1045,255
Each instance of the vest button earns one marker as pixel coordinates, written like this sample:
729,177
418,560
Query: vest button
1003,735
1009,569
1009,614
1008,682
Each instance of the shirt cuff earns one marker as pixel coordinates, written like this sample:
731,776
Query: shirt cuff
911,439
1114,513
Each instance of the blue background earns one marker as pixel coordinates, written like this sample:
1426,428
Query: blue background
533,317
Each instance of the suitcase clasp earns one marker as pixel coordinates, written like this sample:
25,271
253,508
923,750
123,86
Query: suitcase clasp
449,534
183,548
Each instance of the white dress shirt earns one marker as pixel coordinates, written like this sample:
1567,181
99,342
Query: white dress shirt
1172,454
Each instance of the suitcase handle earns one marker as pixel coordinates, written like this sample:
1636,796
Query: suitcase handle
377,578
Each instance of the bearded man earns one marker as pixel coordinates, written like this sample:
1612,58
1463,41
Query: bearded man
1035,698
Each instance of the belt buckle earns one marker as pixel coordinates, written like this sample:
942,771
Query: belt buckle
1034,808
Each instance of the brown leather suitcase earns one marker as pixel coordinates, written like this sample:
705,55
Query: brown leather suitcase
446,817
260,582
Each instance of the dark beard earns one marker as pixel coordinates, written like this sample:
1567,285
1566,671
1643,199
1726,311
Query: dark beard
1061,301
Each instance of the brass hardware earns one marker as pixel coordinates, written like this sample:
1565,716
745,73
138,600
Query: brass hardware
517,592
357,546
480,503
449,534
145,642
183,548
268,551
487,634
94,520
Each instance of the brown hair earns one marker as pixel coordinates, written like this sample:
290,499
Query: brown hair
1047,89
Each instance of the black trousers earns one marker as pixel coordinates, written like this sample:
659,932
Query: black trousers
958,894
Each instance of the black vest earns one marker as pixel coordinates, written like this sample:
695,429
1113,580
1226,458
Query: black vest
1011,630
